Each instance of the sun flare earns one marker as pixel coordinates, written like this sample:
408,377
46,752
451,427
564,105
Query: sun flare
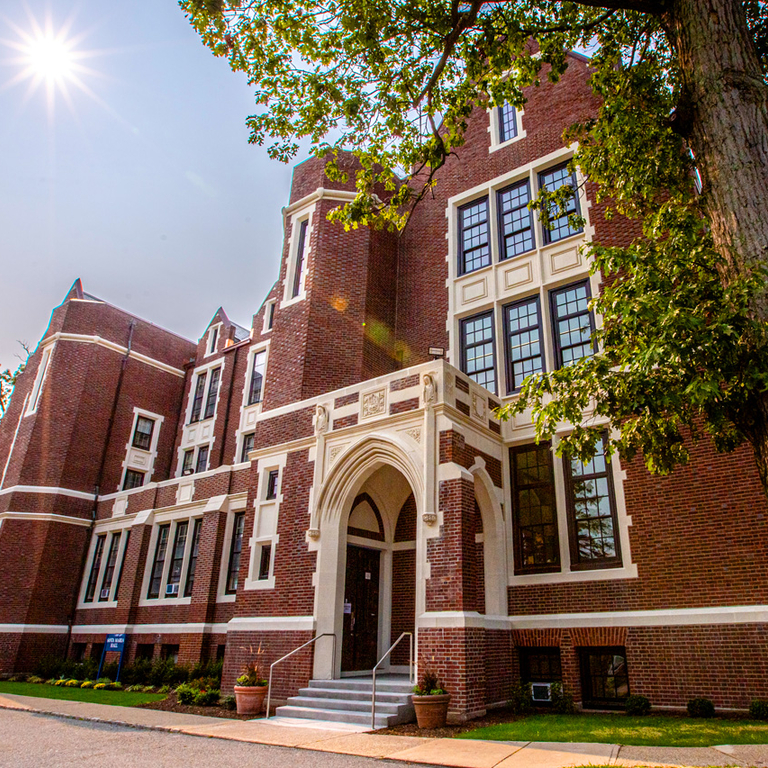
51,57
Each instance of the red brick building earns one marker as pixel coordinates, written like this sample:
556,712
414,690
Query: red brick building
322,473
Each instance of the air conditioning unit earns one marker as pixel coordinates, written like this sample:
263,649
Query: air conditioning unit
541,692
104,594
187,472
171,589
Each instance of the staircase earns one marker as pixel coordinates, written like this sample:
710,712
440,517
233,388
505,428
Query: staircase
349,701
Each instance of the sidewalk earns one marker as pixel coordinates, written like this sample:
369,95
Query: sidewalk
456,753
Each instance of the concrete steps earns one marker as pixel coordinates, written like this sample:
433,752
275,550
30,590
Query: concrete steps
349,701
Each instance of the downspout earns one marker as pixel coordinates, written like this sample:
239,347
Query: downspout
100,477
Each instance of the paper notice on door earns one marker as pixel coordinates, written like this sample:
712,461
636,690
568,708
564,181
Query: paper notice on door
367,575
347,607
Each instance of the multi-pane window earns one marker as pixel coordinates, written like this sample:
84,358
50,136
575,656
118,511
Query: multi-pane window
177,559
552,180
122,562
188,462
248,443
515,220
158,561
525,353
202,459
540,665
507,122
109,571
604,679
235,550
272,484
535,509
213,393
192,567
93,577
257,378
592,512
197,403
474,239
133,479
142,435
477,350
572,323
300,252
264,561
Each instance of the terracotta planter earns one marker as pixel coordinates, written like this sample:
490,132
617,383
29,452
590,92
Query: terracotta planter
431,711
250,698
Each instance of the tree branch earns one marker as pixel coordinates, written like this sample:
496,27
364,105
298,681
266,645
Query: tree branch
655,7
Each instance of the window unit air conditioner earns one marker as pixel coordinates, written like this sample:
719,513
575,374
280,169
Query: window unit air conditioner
104,594
171,589
541,692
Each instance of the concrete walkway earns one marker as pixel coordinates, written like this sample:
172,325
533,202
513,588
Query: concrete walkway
456,753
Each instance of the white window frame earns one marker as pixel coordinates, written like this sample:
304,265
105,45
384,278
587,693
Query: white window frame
109,530
269,306
221,594
132,453
40,377
249,414
495,132
305,214
211,344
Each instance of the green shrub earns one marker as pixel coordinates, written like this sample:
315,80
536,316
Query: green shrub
164,689
207,698
104,680
758,709
637,705
35,679
562,700
228,702
186,694
209,670
17,679
701,707
52,681
520,701
147,688
115,686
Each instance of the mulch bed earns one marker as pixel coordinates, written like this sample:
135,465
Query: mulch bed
493,717
171,704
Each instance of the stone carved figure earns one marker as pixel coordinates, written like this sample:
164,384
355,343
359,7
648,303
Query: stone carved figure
430,390
321,420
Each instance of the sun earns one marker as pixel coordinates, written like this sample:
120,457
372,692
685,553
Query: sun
48,57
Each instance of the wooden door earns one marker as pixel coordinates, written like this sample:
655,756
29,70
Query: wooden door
361,610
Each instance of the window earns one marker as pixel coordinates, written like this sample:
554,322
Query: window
37,387
187,463
248,442
299,268
202,459
257,377
235,549
93,577
133,479
159,561
507,122
265,561
592,512
477,350
177,559
197,403
269,316
213,393
552,180
145,651
534,505
193,558
522,328
540,665
170,652
272,484
142,435
572,323
604,679
213,338
122,562
515,220
474,240
109,572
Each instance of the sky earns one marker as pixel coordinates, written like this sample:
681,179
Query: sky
136,176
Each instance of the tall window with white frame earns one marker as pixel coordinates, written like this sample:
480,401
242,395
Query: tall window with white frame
37,387
572,323
213,393
109,571
553,179
192,567
142,434
133,479
474,237
507,118
202,459
248,443
177,559
257,377
197,402
298,268
158,562
93,576
235,551
524,350
515,220
478,359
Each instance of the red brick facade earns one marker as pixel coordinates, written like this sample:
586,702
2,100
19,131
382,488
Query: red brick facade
351,405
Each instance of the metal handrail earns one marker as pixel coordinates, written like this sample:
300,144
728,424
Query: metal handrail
296,650
410,673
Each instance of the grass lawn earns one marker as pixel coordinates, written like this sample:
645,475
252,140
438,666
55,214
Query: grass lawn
648,731
116,698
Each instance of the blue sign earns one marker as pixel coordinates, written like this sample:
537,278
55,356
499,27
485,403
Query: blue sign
115,643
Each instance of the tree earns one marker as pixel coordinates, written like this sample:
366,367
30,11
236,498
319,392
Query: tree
684,95
7,383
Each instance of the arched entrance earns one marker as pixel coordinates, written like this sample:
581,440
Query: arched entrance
366,578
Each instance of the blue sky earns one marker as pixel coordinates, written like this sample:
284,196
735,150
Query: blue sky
145,186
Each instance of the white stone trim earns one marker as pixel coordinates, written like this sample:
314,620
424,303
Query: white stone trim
301,215
48,517
48,490
84,339
133,455
249,414
319,194
493,128
271,624
109,533
30,629
148,629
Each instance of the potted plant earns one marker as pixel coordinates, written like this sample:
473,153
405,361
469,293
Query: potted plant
251,687
430,700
